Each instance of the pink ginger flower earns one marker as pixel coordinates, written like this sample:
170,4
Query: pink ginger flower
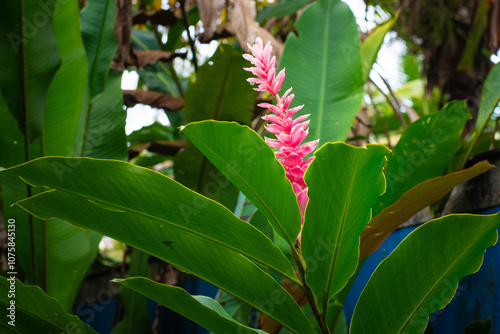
289,132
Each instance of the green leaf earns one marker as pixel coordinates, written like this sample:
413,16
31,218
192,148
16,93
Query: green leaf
343,183
281,9
371,45
62,253
64,273
221,93
203,310
250,164
421,275
155,214
490,98
35,312
423,152
237,309
98,33
414,200
151,133
101,133
69,252
170,204
323,65
66,92
12,188
30,59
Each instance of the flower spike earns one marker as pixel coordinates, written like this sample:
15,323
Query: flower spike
289,132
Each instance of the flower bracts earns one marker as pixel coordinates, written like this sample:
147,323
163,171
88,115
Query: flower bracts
289,132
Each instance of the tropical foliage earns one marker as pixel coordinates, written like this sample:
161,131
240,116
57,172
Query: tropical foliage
281,229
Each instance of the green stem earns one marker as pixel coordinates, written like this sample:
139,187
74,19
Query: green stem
299,262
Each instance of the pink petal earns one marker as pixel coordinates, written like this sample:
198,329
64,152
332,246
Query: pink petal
272,142
273,118
291,112
300,119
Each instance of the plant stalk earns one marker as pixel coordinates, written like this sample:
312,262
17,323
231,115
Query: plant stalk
299,262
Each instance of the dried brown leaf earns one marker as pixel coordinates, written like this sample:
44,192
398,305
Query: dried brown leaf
210,11
242,17
142,58
153,99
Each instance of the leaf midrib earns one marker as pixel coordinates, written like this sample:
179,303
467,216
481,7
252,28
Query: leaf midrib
466,251
90,198
321,105
216,115
344,218
99,46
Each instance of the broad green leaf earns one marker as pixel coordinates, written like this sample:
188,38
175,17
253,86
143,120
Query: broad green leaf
343,183
201,309
35,312
421,275
281,9
250,164
11,138
66,92
52,106
98,33
221,93
414,200
490,99
30,59
161,217
135,303
121,187
68,251
371,45
102,124
101,132
423,152
12,188
323,65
